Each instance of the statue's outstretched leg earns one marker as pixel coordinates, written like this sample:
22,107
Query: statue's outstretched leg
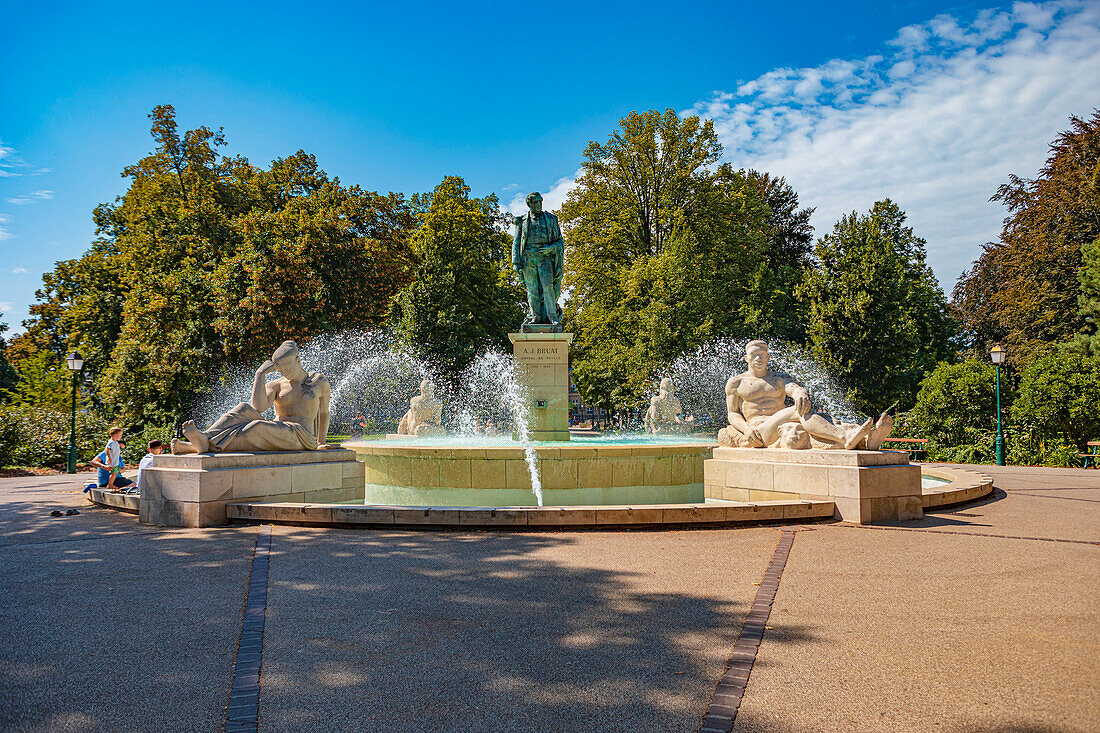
195,436
880,432
846,437
182,447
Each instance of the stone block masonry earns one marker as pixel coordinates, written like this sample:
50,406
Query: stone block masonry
192,490
542,368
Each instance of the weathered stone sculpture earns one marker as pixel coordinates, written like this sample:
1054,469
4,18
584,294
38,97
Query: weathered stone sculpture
300,399
663,415
424,414
758,418
538,257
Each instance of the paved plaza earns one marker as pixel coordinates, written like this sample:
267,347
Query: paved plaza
985,617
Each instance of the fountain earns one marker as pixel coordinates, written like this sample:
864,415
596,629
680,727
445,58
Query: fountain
420,452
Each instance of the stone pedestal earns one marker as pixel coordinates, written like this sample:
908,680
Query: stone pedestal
192,490
542,364
865,486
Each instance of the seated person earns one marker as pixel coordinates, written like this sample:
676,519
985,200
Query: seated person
110,476
155,449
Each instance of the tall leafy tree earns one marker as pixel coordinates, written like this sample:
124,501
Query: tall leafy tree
663,248
462,296
878,319
1024,289
207,257
8,376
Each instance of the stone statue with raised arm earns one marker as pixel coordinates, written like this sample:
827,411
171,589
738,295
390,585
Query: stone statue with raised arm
663,415
300,399
758,418
424,414
538,257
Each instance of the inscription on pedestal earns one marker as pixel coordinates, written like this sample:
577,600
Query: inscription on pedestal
541,352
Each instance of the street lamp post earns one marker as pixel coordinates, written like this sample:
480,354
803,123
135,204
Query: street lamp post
997,355
76,363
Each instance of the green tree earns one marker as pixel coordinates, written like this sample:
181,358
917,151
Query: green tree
955,403
663,252
878,319
1088,302
1024,289
463,296
43,381
1057,398
8,376
206,258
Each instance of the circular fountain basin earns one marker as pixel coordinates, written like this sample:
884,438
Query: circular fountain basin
483,471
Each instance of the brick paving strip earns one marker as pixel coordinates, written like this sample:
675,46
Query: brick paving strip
244,696
727,698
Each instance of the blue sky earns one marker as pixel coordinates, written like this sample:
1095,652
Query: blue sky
931,104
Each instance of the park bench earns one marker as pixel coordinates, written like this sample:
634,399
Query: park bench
1092,456
918,446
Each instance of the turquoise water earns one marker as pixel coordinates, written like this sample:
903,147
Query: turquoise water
502,441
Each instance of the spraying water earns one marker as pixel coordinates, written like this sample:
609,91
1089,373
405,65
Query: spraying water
701,376
373,375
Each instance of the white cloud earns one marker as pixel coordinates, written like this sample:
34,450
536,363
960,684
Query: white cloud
19,271
6,306
4,233
31,198
936,123
551,200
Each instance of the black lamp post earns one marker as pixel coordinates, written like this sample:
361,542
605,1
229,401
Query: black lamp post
76,363
997,355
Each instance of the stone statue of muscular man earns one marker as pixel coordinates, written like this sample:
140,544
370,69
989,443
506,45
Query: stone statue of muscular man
300,399
758,419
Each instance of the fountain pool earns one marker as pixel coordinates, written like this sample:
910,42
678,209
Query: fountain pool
463,470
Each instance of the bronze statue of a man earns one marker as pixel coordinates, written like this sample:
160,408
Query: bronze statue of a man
538,257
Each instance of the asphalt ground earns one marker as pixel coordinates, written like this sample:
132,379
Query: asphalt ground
983,617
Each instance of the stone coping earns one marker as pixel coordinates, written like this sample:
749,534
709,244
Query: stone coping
816,457
214,461
129,503
965,485
386,448
709,513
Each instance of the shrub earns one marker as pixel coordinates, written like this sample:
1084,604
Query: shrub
954,402
38,436
1058,399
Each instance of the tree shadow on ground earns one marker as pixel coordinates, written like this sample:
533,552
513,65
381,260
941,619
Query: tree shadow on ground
106,624
481,631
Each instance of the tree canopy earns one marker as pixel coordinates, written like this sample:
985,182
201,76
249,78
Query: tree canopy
877,318
206,258
666,249
462,296
1024,290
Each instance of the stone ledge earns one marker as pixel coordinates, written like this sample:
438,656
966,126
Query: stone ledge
718,513
212,461
129,503
814,456
966,485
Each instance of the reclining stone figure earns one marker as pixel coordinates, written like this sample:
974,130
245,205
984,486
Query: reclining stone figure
758,418
300,399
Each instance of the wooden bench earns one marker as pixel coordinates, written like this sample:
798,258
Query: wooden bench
918,446
1093,456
